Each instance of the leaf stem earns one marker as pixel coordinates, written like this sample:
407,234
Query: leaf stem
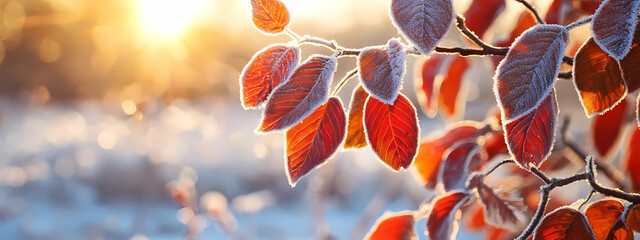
506,161
580,22
532,10
292,34
344,80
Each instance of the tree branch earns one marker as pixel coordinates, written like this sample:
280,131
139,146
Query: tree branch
532,10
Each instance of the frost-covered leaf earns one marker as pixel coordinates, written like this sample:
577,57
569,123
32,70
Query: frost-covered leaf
527,74
597,79
450,99
564,223
392,131
305,91
381,70
525,21
441,223
457,160
393,226
355,129
530,138
500,212
633,219
631,159
315,139
423,22
604,219
630,64
432,149
613,26
267,69
426,85
269,16
481,14
605,130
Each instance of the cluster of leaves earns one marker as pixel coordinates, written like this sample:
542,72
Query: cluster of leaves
296,100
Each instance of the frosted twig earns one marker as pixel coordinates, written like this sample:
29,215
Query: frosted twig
344,80
580,22
292,34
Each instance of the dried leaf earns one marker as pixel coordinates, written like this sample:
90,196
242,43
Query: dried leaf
267,69
381,70
527,74
441,222
605,130
631,159
449,96
597,79
530,138
269,16
613,26
604,219
564,223
393,226
392,131
294,100
499,212
423,22
315,139
355,129
427,87
481,14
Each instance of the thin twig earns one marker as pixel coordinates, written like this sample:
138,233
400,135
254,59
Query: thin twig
580,22
344,80
565,75
532,10
507,161
541,175
611,192
292,34
587,199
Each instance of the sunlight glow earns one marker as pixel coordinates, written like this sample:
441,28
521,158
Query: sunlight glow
168,18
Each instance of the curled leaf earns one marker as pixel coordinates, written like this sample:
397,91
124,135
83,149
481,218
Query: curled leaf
605,130
500,212
381,70
457,160
269,16
527,74
355,129
268,68
393,226
315,139
423,22
392,131
613,26
305,91
441,222
597,79
604,219
564,223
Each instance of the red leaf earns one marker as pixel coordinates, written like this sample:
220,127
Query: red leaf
613,26
267,69
495,144
556,12
589,6
315,139
499,212
449,97
630,64
633,219
604,219
423,22
564,223
481,14
457,160
527,74
381,70
294,100
597,79
431,150
631,159
426,86
355,129
530,138
525,21
475,219
440,224
269,16
605,130
393,226
392,131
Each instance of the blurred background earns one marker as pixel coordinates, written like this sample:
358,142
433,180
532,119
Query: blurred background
121,119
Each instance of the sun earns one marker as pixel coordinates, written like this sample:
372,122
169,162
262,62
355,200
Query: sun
168,18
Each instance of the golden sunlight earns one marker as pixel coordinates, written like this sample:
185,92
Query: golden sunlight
168,18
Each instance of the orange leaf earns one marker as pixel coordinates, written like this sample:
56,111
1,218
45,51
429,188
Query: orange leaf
481,14
495,144
564,223
315,139
597,79
267,69
426,87
631,159
393,226
355,130
530,138
392,131
633,219
381,70
431,150
449,95
605,130
604,219
295,99
440,224
269,16
475,219
630,64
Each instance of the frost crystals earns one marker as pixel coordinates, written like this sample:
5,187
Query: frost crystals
423,22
